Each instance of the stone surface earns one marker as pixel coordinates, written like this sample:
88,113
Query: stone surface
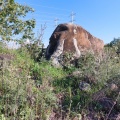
113,87
74,39
84,86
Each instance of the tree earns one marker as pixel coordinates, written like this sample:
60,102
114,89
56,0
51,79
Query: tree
12,23
116,43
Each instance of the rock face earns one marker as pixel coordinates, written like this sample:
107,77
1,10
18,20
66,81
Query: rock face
72,38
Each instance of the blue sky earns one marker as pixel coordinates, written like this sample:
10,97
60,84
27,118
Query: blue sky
100,17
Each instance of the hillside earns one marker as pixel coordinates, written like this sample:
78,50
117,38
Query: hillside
35,90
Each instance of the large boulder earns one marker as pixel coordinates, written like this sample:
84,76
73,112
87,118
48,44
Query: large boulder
72,38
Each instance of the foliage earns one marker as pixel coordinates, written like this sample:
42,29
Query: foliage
31,88
96,72
11,14
115,43
2,45
22,95
35,47
36,51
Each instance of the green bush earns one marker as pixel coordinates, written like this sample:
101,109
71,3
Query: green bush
31,89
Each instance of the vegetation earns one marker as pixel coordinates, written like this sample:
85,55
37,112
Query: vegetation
115,43
32,89
12,24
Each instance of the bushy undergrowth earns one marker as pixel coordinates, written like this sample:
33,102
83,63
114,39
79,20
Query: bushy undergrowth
25,88
31,90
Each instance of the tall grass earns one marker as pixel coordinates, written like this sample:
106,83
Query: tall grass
31,90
